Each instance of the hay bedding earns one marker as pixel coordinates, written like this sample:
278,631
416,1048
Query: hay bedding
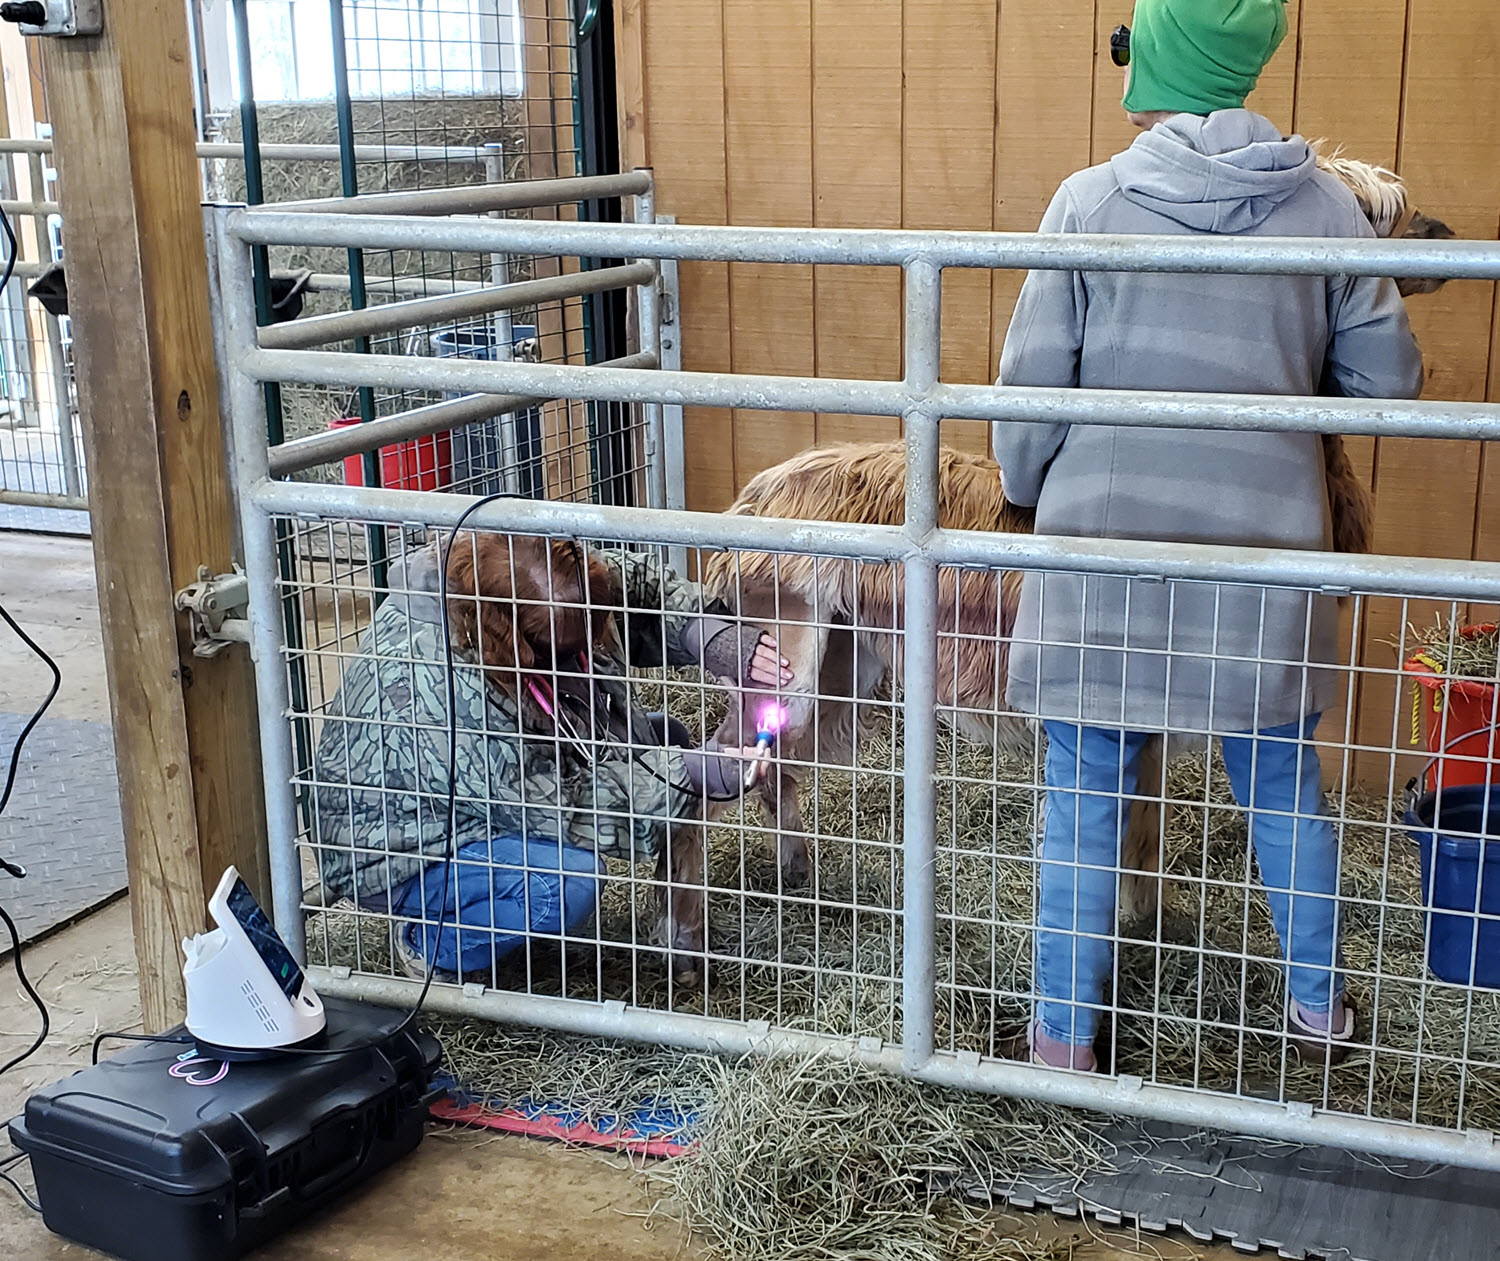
1474,656
827,1160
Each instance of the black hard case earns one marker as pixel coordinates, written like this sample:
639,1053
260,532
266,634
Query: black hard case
133,1160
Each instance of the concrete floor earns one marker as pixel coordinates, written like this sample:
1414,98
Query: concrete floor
461,1195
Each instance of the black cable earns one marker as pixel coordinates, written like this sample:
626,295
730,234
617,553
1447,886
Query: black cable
138,1037
10,868
15,753
30,990
21,1191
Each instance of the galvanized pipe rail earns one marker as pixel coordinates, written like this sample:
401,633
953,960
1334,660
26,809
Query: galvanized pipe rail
1165,410
466,199
366,227
338,326
232,151
420,422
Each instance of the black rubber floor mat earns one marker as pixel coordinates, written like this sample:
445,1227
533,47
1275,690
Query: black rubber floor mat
62,824
1294,1201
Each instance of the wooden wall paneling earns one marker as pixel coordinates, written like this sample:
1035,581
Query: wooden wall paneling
1487,514
630,84
1487,518
948,169
1427,492
1360,111
683,51
856,171
1044,113
1111,131
768,142
1275,94
1363,113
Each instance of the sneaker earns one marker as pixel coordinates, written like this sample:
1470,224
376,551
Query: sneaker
1324,1045
411,961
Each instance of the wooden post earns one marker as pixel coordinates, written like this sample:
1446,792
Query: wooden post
186,739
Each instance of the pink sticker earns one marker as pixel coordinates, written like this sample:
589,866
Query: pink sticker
186,1064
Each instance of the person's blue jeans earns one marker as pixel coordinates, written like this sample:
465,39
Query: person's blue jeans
497,893
1091,772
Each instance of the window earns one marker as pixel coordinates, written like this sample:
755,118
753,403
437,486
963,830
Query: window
394,48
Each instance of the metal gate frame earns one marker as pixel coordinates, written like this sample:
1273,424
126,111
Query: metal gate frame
922,400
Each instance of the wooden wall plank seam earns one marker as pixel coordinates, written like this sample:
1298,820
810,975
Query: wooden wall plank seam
683,55
856,172
948,169
768,151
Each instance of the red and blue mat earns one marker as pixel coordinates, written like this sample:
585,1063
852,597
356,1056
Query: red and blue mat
645,1130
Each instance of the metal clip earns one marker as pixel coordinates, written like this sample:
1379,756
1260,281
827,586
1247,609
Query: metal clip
216,606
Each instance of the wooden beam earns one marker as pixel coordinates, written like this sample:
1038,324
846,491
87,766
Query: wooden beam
630,84
185,732
948,173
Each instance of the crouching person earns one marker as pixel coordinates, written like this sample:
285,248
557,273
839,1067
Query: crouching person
555,768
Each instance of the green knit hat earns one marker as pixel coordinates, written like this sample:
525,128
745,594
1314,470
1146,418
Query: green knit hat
1197,56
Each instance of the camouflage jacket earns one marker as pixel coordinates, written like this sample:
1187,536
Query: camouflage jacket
382,759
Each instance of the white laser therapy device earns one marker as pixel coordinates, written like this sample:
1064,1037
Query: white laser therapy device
246,995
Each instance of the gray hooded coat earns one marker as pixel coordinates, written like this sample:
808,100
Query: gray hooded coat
1190,656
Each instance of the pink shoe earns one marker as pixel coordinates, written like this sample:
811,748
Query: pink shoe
1315,1039
1035,1046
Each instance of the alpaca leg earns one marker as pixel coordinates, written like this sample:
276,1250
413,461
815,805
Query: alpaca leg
1140,852
780,794
684,923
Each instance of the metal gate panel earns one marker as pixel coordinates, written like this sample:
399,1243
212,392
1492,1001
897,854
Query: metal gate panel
919,550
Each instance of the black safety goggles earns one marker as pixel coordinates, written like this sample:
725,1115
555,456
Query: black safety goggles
1119,45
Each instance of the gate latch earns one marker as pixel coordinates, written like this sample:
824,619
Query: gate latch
216,606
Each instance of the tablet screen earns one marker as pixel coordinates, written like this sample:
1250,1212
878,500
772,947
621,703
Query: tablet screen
266,940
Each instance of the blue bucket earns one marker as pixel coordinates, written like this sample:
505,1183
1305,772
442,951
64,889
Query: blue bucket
479,459
1457,831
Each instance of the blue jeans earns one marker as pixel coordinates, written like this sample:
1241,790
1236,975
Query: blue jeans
1091,771
503,889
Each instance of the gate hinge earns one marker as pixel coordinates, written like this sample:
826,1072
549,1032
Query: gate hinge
216,606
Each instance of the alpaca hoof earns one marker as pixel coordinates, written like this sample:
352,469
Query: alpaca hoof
795,867
1140,898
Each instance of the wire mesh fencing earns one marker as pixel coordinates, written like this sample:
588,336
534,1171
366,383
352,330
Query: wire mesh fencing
41,442
785,905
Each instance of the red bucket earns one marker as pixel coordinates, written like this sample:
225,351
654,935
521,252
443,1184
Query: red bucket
418,464
1457,718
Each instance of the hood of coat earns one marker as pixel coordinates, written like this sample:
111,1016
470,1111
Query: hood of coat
1224,172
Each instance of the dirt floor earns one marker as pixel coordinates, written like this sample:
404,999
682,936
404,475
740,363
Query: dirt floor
461,1195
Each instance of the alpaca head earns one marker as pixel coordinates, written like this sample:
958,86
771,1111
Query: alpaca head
1386,203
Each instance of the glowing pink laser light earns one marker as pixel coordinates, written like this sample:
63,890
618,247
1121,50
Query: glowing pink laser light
769,722
773,718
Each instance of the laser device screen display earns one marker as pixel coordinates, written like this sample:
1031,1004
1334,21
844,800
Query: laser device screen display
266,940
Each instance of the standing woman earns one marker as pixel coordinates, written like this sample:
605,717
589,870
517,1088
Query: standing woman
1104,662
